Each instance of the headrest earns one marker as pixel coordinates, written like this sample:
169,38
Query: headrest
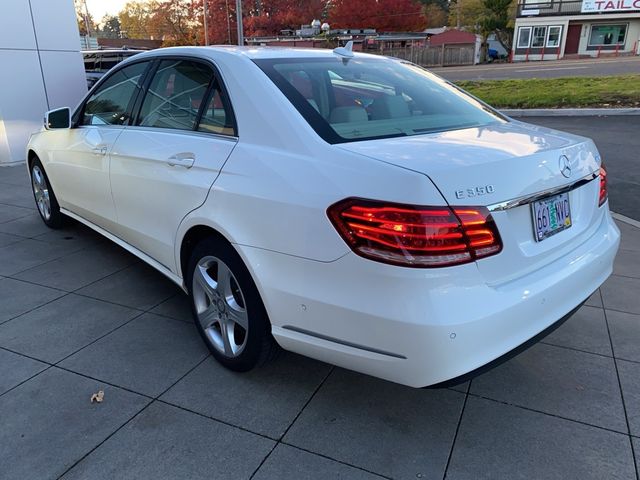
389,106
348,115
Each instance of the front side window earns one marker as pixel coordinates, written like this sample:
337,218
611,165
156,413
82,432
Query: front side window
553,38
362,99
109,105
538,37
524,37
175,95
602,35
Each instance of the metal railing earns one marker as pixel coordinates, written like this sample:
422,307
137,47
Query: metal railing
550,8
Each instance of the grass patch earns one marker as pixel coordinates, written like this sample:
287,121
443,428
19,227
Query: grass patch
610,92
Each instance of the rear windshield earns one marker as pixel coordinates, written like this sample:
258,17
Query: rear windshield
363,99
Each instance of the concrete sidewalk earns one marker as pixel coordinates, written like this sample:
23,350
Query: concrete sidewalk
78,314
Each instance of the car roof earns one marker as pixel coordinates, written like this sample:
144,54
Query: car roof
115,50
253,52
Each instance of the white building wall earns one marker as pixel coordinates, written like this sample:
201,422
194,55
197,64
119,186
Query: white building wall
42,68
631,43
550,53
632,39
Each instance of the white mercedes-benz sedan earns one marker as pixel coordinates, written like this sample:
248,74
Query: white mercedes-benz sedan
352,208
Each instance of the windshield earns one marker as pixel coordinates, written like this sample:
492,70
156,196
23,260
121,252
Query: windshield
347,100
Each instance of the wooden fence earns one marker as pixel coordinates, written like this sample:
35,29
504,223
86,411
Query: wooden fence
441,55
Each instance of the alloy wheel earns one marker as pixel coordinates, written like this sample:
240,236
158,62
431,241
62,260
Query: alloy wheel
41,192
220,306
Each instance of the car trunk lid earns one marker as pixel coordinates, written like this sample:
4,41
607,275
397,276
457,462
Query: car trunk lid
496,165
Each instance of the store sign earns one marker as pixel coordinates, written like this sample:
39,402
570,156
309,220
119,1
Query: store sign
591,6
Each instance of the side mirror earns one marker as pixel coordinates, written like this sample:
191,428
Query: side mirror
60,118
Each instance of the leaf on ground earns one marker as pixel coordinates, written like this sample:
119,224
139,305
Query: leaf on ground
97,397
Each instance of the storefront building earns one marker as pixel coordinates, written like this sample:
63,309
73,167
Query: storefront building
550,30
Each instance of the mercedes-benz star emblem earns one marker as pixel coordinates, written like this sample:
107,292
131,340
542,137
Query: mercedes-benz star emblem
565,166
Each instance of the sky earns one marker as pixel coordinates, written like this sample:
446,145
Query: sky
99,8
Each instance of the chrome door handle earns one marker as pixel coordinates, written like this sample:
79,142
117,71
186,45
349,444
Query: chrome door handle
185,160
100,150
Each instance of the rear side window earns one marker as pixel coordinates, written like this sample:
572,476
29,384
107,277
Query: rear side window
364,98
217,117
109,105
175,95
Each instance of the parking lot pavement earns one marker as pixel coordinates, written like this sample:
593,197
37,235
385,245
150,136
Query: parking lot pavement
78,314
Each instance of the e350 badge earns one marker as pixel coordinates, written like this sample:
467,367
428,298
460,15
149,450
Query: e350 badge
475,191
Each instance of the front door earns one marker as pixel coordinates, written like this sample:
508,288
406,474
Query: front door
163,167
80,170
573,39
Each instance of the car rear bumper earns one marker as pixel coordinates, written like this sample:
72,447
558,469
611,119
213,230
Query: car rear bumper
507,356
420,327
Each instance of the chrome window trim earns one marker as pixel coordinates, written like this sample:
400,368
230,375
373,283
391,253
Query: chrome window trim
174,131
527,199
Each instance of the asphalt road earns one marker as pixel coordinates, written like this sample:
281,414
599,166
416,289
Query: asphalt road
618,140
547,69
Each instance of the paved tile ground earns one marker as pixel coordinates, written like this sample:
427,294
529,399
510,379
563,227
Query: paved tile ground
79,314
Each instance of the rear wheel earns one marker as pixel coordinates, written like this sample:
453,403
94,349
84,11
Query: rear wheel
227,307
45,198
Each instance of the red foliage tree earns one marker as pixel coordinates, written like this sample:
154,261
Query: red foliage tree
383,15
172,21
260,17
222,21
268,17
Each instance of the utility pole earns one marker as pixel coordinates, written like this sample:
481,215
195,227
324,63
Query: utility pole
228,21
205,8
86,19
239,20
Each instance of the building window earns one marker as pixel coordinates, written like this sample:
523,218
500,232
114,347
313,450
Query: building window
534,4
524,37
602,35
553,37
538,37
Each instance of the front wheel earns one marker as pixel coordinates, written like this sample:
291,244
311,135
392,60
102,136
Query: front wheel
227,307
45,198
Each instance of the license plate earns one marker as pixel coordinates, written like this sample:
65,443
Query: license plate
551,216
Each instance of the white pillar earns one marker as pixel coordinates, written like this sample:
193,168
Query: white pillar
41,68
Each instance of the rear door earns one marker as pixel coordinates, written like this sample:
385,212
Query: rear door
163,167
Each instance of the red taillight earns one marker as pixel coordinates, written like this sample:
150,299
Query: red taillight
415,236
602,197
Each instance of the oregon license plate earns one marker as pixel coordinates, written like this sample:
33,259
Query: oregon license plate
551,215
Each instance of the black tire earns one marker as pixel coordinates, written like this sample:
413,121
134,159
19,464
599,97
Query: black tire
41,187
258,345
